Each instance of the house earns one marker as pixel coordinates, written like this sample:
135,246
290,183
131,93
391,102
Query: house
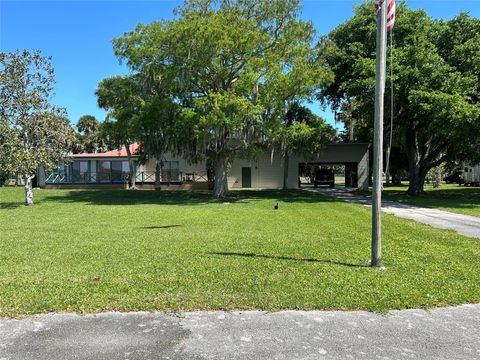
110,169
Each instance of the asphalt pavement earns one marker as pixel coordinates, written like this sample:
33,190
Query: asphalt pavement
462,224
448,333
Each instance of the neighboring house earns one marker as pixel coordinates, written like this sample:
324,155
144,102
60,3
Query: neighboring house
110,169
471,175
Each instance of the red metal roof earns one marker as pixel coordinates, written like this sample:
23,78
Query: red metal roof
122,152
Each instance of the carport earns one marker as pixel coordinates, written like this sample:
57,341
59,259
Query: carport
345,174
349,161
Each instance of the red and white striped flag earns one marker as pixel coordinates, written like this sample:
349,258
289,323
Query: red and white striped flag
390,12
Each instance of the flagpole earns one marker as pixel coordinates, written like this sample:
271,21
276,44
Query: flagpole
378,136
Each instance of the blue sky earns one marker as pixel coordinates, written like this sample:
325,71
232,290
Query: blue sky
78,35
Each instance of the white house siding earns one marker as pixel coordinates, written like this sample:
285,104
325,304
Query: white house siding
471,174
199,169
268,174
265,173
364,171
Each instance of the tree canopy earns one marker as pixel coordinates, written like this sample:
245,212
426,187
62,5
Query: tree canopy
121,97
436,87
222,62
300,132
33,132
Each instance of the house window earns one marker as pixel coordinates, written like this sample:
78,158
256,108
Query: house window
80,171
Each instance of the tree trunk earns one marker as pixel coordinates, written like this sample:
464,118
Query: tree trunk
220,187
417,181
350,130
387,166
28,190
437,178
131,167
285,172
418,164
210,173
415,186
158,169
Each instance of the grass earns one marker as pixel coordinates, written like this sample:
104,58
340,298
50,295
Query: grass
89,251
449,197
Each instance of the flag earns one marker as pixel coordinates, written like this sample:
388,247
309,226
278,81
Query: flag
390,12
378,5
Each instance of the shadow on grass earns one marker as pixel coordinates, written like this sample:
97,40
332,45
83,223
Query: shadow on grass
253,255
10,205
159,227
129,197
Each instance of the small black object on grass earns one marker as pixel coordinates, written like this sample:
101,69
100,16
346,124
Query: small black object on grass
275,207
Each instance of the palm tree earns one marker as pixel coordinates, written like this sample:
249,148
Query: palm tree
87,124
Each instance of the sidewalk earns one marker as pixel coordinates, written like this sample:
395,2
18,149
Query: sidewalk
449,334
462,224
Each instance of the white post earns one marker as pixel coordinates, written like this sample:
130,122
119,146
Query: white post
378,137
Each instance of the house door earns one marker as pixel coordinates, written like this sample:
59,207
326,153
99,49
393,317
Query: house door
246,177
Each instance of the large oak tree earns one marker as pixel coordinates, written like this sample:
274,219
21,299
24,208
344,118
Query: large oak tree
436,91
216,60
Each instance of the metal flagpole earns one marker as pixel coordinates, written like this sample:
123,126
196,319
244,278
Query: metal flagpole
378,136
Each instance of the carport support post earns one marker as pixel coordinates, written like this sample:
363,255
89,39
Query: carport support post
378,137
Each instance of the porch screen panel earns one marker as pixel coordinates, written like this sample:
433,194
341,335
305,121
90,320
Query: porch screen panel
125,167
80,171
104,171
62,174
120,170
116,171
125,170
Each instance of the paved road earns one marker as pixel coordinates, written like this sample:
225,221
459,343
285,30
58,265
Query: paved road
450,334
462,224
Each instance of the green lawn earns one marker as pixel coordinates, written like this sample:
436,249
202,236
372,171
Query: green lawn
454,198
91,251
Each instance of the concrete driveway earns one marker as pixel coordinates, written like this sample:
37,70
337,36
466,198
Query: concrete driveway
462,224
450,334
